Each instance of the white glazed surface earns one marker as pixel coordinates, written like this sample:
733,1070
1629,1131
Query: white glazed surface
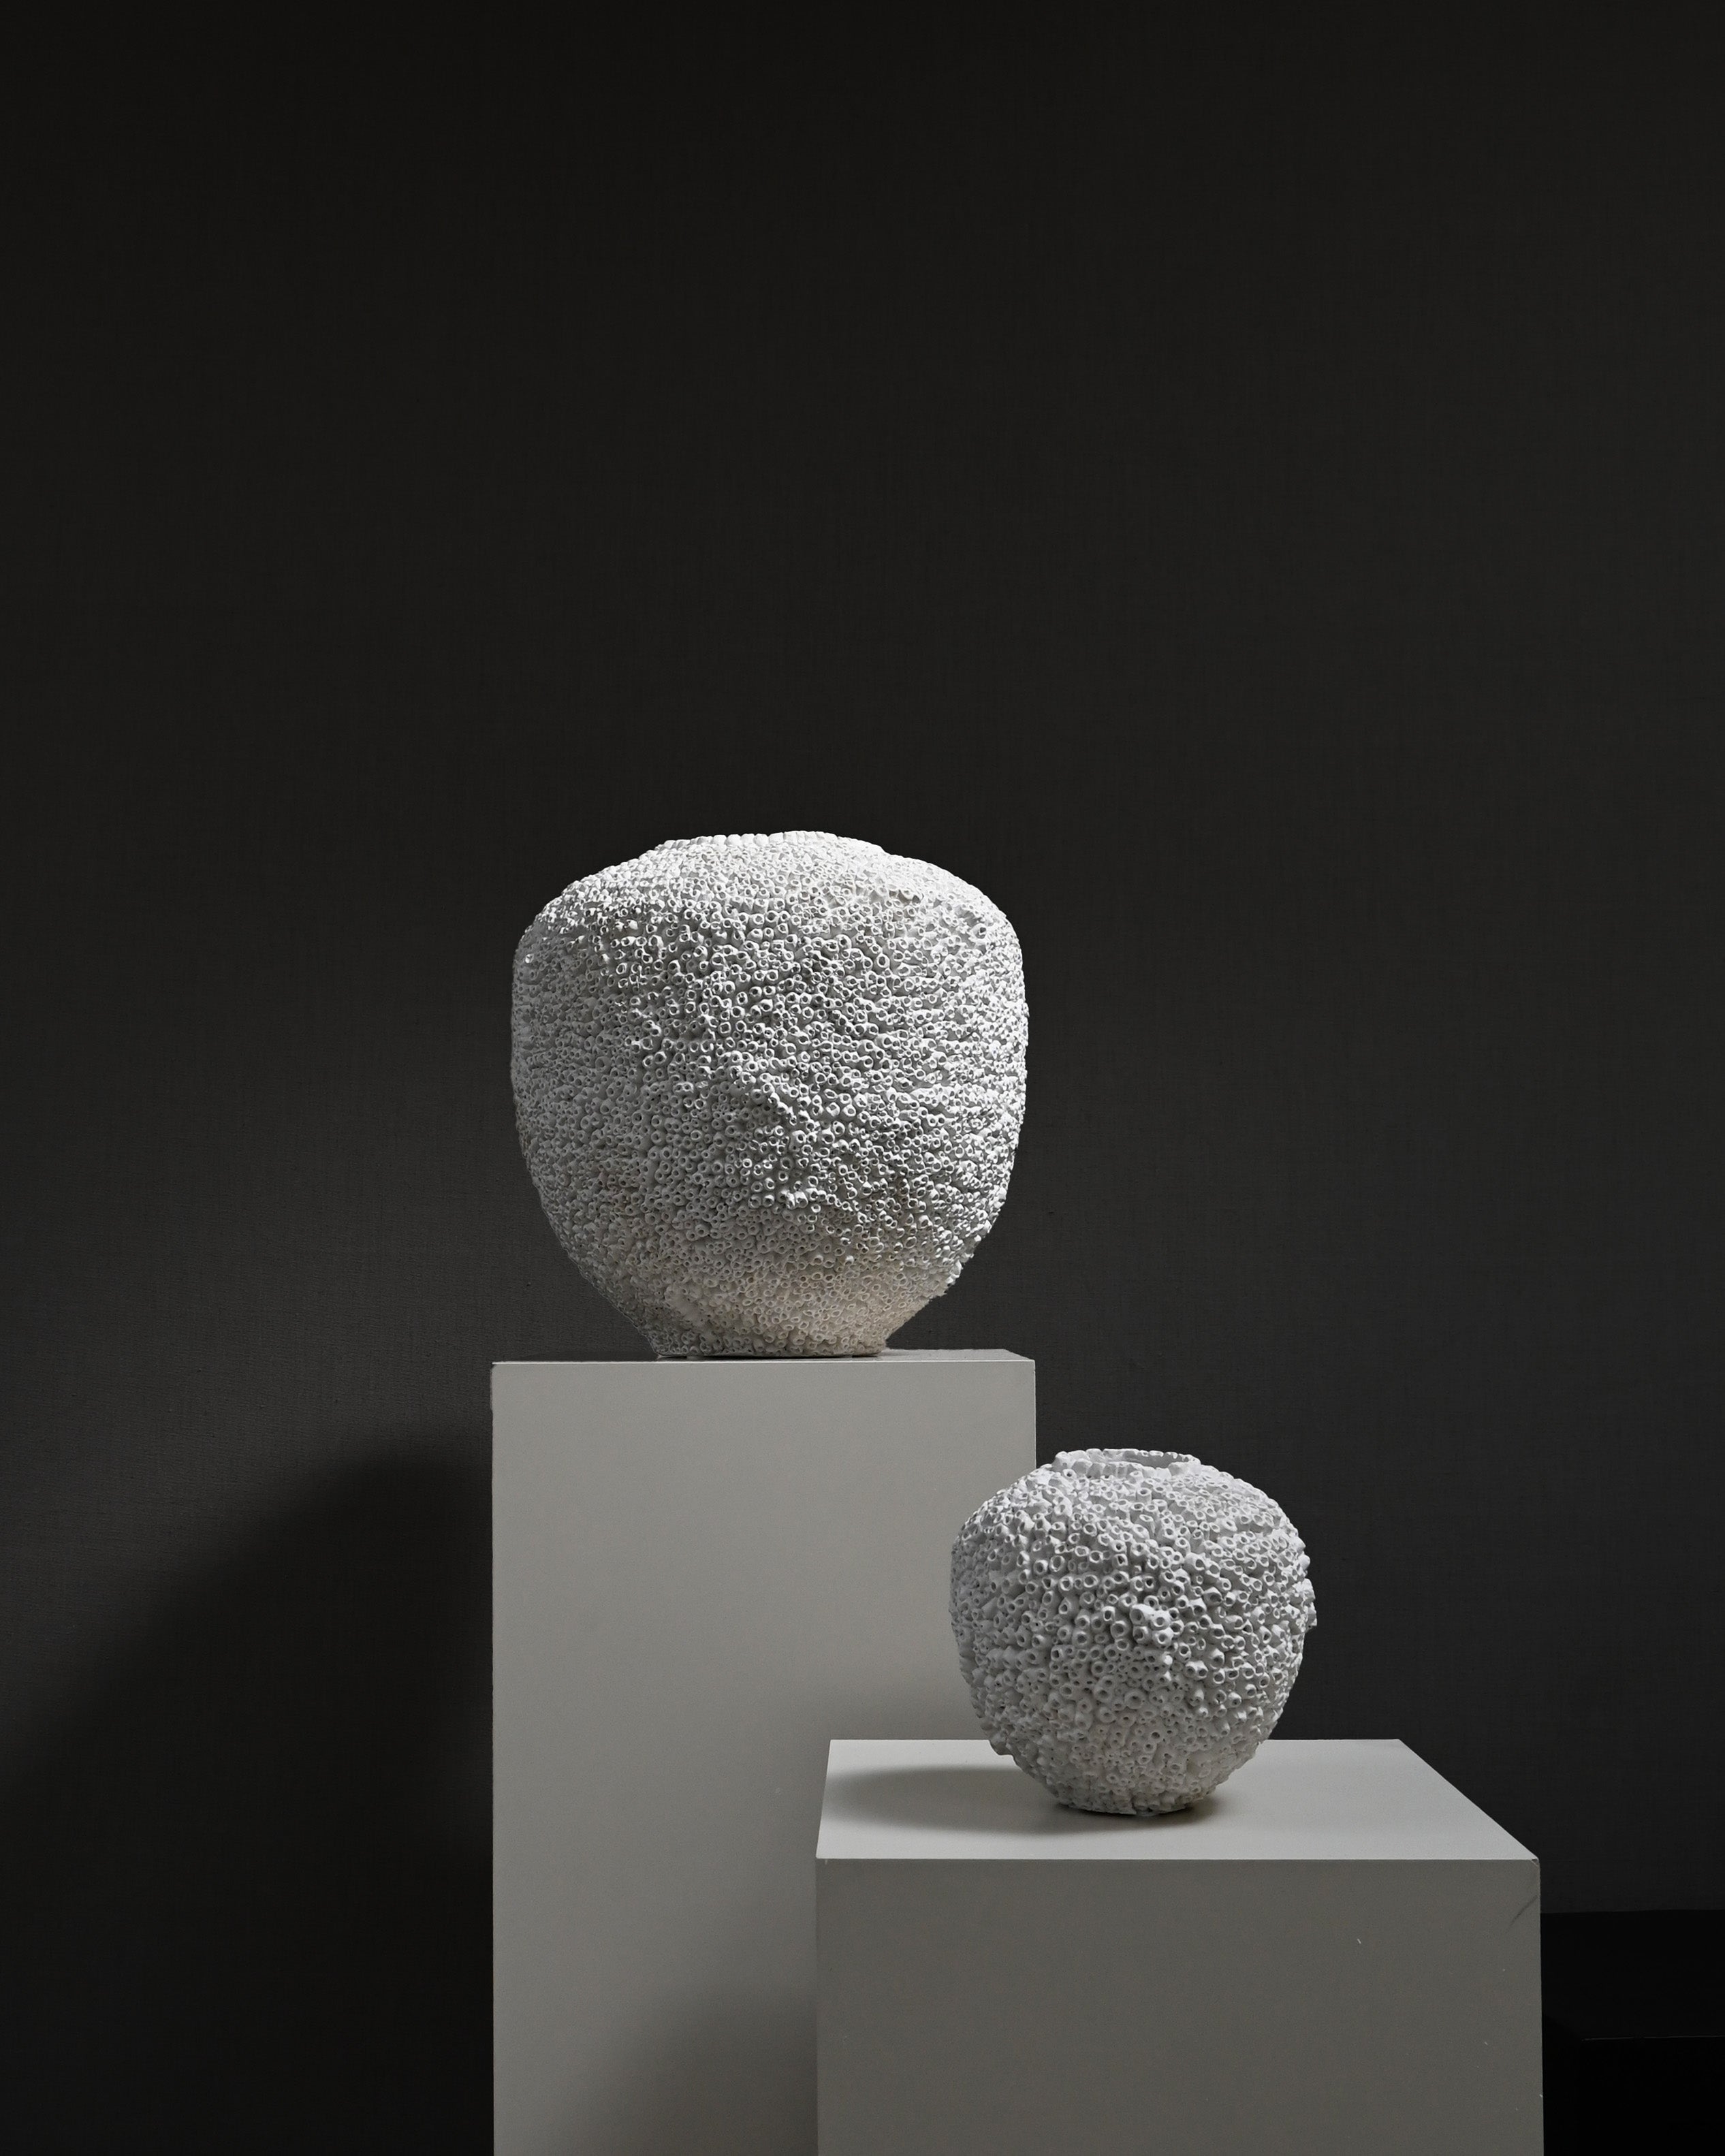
769,1088
1130,1625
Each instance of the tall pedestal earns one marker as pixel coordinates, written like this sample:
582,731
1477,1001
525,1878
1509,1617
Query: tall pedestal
1336,1954
702,1571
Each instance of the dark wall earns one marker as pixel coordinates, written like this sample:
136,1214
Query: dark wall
1257,511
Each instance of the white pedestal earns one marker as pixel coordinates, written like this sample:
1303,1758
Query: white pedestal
1336,1954
700,1571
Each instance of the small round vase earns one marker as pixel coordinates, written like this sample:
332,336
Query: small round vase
1130,1625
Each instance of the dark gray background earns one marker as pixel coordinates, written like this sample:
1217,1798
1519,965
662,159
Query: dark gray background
1259,511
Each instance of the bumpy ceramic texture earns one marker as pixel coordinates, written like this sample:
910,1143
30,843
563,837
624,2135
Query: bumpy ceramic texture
769,1088
1130,1625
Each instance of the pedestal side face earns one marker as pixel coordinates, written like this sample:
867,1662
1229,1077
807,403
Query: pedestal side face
702,1571
1337,1953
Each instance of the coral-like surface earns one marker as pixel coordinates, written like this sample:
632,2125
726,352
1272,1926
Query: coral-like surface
769,1088
1130,1625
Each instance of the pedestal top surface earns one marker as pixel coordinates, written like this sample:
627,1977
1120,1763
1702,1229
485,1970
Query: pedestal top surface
889,1358
1298,1799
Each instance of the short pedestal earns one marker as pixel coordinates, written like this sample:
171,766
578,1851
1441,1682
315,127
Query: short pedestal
1336,1954
700,1571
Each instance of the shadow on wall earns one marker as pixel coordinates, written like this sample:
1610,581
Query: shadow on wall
235,1916
729,2077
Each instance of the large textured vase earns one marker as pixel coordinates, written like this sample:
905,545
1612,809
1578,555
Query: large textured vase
769,1088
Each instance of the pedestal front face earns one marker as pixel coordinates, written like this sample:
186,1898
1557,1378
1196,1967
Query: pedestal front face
701,1570
1336,1954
